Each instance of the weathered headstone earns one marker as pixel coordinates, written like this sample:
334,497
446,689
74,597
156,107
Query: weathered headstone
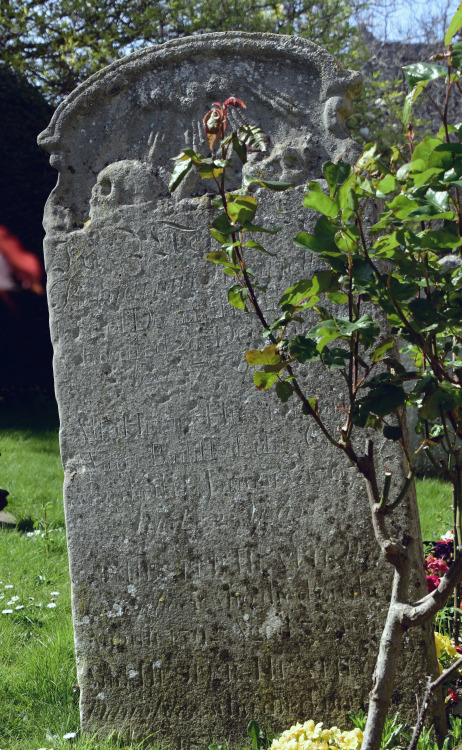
221,556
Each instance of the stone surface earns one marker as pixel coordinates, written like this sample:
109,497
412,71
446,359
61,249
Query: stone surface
7,519
221,556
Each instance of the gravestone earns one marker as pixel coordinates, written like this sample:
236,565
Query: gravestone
221,555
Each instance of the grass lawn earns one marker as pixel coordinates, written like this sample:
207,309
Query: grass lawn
39,704
435,499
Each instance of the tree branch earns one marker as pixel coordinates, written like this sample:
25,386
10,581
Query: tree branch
422,611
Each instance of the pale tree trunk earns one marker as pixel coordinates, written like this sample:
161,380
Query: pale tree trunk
402,614
383,680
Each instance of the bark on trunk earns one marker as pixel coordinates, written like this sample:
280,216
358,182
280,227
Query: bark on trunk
385,669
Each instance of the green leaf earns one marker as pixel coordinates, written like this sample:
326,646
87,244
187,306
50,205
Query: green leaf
402,206
179,173
418,72
403,290
338,298
283,391
423,311
222,259
367,156
360,413
321,282
352,199
439,239
312,402
432,404
309,242
189,153
438,198
403,172
221,238
319,201
454,26
264,380
237,296
253,137
424,149
324,246
248,227
296,293
239,148
444,155
335,358
367,328
454,174
269,356
274,185
335,174
325,231
424,177
254,731
386,185
223,226
304,349
386,399
392,432
257,246
208,171
332,328
241,208
384,247
456,57
380,350
428,211
325,332
363,275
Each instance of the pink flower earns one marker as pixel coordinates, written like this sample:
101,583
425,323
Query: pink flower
432,583
434,565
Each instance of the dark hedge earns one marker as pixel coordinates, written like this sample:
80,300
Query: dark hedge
26,179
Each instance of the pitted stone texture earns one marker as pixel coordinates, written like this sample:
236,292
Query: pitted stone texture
221,555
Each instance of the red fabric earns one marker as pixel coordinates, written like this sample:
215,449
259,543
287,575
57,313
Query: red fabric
25,266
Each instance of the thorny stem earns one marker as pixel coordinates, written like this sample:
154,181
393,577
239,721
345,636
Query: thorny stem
446,104
457,501
294,384
434,104
431,686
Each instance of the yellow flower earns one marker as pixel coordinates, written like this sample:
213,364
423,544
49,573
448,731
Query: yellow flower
311,736
351,740
443,643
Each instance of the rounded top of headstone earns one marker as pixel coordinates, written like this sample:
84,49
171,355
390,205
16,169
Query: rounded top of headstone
144,108
114,79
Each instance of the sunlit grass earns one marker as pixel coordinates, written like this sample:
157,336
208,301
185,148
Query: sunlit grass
434,498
